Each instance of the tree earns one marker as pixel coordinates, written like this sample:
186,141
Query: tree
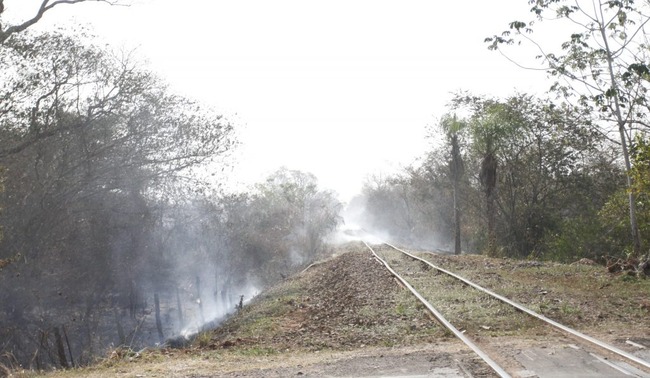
94,149
536,177
489,126
305,213
613,213
55,85
387,206
93,124
551,169
278,226
452,128
413,207
602,66
7,31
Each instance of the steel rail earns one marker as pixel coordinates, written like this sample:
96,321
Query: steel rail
498,369
541,317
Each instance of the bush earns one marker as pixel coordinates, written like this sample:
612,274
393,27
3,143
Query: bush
577,238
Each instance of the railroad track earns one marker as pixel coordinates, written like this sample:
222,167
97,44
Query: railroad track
420,276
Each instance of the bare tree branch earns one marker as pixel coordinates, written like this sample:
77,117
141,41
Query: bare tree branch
46,5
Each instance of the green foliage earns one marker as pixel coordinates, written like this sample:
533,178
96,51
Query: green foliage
451,125
521,166
614,216
257,351
615,213
554,173
573,239
640,173
605,56
282,224
601,67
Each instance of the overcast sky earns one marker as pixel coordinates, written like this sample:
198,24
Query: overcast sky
342,89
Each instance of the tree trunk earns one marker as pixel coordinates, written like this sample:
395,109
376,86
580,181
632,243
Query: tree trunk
634,227
60,348
491,225
620,120
120,329
67,342
457,170
488,177
45,346
457,248
179,310
156,301
198,296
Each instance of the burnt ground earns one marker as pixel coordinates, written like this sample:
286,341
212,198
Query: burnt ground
347,316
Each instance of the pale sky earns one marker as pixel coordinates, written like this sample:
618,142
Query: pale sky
341,89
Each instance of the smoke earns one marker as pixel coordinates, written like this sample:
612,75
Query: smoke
378,223
211,310
351,231
203,283
140,268
357,227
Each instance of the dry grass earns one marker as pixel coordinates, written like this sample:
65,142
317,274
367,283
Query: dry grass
585,297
